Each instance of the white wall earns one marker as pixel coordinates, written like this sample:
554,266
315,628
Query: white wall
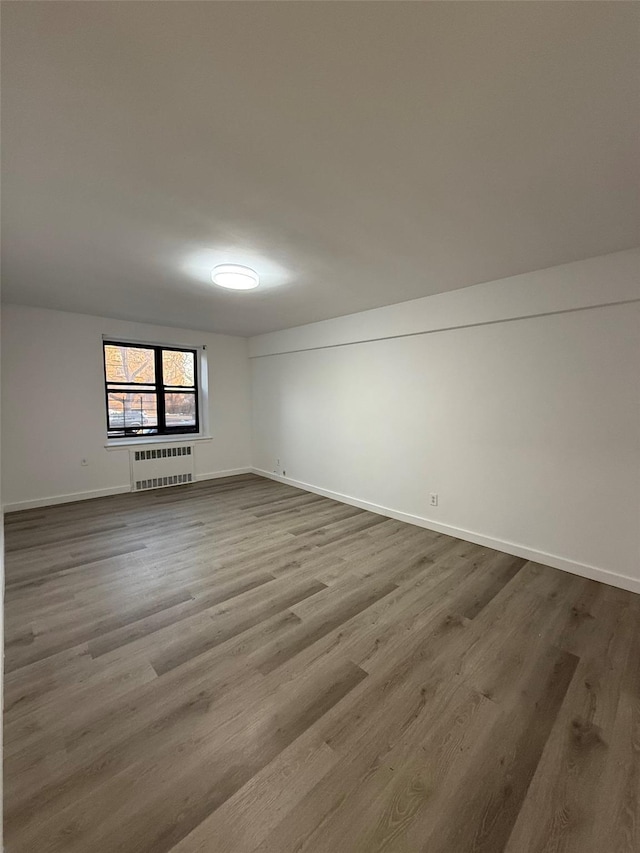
528,428
53,404
1,640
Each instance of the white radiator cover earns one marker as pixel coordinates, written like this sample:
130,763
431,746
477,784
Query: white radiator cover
159,466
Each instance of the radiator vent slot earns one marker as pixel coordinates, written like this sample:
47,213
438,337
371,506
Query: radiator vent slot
159,467
162,453
159,482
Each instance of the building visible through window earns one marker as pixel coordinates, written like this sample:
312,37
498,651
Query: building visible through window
150,390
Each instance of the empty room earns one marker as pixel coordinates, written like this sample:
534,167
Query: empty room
320,426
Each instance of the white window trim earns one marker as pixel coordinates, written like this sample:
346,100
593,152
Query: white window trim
186,438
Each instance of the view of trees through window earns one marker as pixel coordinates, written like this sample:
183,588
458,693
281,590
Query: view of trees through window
150,390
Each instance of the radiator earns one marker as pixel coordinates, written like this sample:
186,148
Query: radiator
157,467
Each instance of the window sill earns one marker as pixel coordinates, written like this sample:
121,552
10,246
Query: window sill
124,443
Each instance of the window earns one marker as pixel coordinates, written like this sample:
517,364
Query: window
150,390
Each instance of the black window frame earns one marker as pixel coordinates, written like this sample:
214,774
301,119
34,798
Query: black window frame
159,389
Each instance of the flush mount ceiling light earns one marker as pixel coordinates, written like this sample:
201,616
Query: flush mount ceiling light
235,277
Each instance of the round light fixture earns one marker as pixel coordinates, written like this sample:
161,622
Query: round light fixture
235,277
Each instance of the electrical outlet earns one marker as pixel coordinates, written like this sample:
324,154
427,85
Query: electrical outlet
84,461
433,499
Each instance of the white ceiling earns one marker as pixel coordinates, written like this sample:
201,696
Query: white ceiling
356,154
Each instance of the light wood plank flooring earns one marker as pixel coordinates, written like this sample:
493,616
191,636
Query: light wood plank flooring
241,666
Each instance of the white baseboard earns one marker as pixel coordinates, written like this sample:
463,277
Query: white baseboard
101,493
583,569
64,499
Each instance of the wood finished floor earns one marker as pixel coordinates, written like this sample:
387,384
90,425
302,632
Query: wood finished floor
241,666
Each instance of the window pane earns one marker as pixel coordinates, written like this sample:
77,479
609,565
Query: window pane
129,364
178,368
180,410
132,411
